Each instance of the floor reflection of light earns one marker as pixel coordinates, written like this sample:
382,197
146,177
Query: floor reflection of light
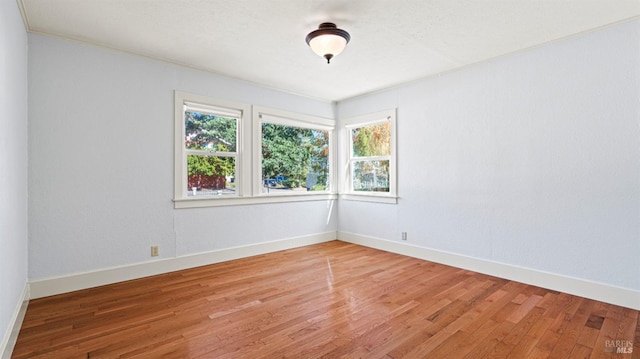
329,276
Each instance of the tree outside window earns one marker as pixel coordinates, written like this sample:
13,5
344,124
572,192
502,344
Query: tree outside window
294,158
230,153
371,149
369,155
210,143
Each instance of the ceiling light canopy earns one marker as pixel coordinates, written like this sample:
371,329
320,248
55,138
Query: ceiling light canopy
328,41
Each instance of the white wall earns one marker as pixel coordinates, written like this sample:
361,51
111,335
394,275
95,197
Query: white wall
101,163
530,160
13,164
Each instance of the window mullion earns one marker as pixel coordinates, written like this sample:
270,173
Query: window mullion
372,158
211,153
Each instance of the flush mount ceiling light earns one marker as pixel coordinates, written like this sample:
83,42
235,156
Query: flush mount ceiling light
328,41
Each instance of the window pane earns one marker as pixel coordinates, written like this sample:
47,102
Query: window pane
210,175
371,176
374,140
294,159
210,132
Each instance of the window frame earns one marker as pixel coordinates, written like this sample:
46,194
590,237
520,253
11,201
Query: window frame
220,112
347,191
247,179
184,100
264,114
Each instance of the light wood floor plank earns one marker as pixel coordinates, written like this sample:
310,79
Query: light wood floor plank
331,300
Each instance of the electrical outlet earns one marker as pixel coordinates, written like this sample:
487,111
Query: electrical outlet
404,236
154,251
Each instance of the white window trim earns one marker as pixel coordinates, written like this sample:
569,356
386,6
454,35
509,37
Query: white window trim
347,191
265,114
242,111
247,179
239,201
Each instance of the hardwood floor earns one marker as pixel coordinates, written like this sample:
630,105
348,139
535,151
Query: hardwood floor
330,300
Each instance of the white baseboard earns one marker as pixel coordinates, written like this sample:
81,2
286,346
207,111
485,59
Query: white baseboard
598,291
10,338
606,293
52,286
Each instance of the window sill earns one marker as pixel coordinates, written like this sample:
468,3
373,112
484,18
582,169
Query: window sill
370,197
238,201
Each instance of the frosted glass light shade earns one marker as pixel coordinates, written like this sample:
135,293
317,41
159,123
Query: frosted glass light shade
328,44
328,41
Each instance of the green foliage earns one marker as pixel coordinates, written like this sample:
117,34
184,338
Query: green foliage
292,152
213,133
211,165
369,141
319,187
372,140
204,131
320,158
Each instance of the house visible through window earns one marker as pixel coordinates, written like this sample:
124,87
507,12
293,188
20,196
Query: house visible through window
208,149
370,156
371,153
211,147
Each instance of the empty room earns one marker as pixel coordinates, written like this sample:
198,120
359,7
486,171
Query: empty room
319,179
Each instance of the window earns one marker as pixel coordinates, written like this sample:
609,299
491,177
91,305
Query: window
208,147
225,154
370,157
210,142
295,153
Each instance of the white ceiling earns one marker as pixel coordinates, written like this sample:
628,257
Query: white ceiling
262,41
